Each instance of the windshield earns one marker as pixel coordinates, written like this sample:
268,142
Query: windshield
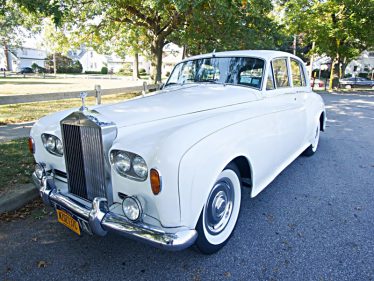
237,71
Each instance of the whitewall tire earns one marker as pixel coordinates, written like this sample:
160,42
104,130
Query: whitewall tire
220,212
314,145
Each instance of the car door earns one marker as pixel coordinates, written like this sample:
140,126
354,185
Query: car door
289,103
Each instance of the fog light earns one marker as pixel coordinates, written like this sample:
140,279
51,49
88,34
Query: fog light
39,171
131,208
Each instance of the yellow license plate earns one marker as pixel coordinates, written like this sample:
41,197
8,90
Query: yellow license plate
67,220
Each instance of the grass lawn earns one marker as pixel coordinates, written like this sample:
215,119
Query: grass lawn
23,112
16,163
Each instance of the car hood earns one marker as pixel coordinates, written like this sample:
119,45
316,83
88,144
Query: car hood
176,101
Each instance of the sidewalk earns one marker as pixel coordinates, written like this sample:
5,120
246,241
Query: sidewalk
15,131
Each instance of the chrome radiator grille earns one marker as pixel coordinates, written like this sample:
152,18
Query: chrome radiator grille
84,159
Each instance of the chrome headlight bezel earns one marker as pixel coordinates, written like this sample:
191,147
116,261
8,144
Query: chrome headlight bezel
131,173
50,144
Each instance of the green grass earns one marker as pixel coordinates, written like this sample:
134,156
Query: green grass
16,163
23,112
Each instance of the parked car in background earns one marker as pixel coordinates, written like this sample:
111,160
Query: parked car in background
353,82
168,169
25,70
315,82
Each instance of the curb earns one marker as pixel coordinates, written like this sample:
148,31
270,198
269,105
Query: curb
17,197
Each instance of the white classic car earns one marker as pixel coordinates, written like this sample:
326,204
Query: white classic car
168,168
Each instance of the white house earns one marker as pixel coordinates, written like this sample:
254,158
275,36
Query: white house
22,57
172,54
93,61
364,63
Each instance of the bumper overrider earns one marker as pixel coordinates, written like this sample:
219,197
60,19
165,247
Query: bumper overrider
99,220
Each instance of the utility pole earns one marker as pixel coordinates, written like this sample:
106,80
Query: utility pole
54,63
311,61
294,44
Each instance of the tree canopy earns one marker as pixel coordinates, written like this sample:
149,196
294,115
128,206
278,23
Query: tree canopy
341,29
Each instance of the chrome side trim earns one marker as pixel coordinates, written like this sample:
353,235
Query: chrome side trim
101,220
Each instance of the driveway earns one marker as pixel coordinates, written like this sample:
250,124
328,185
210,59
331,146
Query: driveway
314,222
15,131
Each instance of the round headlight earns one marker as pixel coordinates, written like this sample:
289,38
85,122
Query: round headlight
59,149
140,167
131,208
39,171
122,162
50,143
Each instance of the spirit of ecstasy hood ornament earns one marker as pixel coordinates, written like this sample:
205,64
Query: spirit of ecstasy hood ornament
83,96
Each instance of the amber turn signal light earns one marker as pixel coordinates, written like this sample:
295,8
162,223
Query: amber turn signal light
31,145
155,181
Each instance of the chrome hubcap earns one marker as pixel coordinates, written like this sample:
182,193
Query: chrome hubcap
219,206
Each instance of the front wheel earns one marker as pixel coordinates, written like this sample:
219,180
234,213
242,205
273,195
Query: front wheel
220,212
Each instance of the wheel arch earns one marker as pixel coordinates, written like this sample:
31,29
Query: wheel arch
245,170
322,120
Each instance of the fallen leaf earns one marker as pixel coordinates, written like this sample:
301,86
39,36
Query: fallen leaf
42,264
34,239
227,274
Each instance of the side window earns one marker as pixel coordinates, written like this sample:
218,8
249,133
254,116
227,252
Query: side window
280,73
270,80
298,79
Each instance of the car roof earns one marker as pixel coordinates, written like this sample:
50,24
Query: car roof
265,54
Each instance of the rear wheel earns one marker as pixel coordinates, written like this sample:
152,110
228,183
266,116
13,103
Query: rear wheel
220,212
313,146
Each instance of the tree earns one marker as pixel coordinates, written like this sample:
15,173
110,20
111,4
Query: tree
14,23
55,40
229,25
137,25
222,24
341,29
64,64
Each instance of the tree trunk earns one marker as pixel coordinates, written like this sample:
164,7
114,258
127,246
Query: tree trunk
135,68
333,62
54,64
184,52
156,59
6,54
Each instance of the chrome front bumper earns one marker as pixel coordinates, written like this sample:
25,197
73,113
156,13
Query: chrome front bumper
99,220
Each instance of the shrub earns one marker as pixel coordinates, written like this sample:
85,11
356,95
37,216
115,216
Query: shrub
104,70
37,68
92,72
167,74
64,64
142,71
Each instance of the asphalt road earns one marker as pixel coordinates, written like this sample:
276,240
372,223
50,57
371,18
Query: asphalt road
314,222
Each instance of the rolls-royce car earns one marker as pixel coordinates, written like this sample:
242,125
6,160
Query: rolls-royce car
168,168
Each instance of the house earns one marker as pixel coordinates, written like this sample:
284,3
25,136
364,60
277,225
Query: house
22,57
93,61
172,54
364,63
